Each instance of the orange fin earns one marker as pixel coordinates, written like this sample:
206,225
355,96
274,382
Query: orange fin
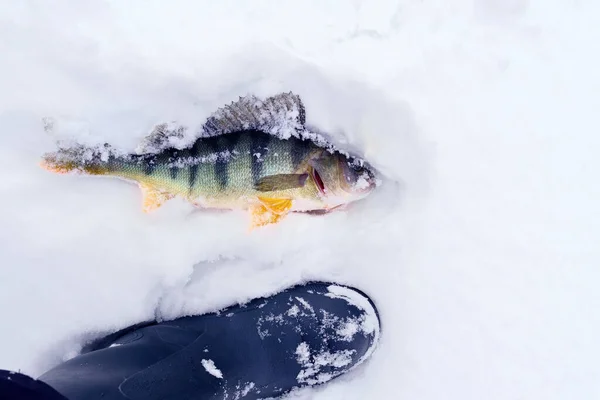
278,206
269,211
153,198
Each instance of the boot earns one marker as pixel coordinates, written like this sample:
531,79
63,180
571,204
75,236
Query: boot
306,335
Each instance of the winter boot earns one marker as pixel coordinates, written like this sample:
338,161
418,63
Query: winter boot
303,336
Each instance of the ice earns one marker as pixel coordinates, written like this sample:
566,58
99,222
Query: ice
479,247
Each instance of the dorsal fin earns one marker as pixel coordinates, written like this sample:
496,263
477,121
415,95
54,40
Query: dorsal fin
275,114
282,115
162,136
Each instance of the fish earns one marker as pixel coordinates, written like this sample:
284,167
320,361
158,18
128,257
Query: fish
251,155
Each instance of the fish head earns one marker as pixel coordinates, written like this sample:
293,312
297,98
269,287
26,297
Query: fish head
340,179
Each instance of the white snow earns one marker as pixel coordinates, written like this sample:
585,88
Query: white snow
314,362
243,391
211,368
480,248
293,311
305,304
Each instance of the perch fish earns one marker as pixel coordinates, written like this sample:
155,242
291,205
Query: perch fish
252,155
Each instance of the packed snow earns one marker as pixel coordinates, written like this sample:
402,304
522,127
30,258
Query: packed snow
480,247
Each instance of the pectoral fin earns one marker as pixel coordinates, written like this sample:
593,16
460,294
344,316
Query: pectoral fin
273,183
269,211
153,198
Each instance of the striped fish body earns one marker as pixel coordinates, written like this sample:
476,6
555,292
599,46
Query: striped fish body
224,171
235,164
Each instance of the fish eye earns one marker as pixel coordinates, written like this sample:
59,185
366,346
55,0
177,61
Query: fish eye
358,169
352,171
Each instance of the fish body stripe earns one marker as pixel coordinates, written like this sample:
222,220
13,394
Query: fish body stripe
224,145
173,172
171,155
149,165
259,147
194,151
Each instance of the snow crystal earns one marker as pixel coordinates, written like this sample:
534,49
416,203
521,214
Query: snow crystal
305,304
211,368
303,352
293,311
262,333
370,324
348,329
212,158
243,391
314,363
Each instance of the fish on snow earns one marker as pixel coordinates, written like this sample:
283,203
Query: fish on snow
237,163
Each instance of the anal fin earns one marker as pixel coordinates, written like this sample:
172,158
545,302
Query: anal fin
269,211
153,198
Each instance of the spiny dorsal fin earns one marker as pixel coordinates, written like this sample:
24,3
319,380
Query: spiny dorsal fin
275,114
273,183
281,115
162,136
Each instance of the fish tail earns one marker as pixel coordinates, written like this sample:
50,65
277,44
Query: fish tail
79,159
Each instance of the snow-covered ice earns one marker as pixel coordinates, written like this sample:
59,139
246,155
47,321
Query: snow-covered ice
480,248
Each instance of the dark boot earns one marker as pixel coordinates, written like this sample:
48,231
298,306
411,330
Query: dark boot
306,335
16,386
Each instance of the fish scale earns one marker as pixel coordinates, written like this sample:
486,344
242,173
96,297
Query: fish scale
259,148
240,167
225,166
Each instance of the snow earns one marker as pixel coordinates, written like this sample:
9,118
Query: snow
370,323
313,372
293,311
211,368
305,304
479,248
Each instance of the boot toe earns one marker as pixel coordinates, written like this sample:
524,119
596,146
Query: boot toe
348,333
